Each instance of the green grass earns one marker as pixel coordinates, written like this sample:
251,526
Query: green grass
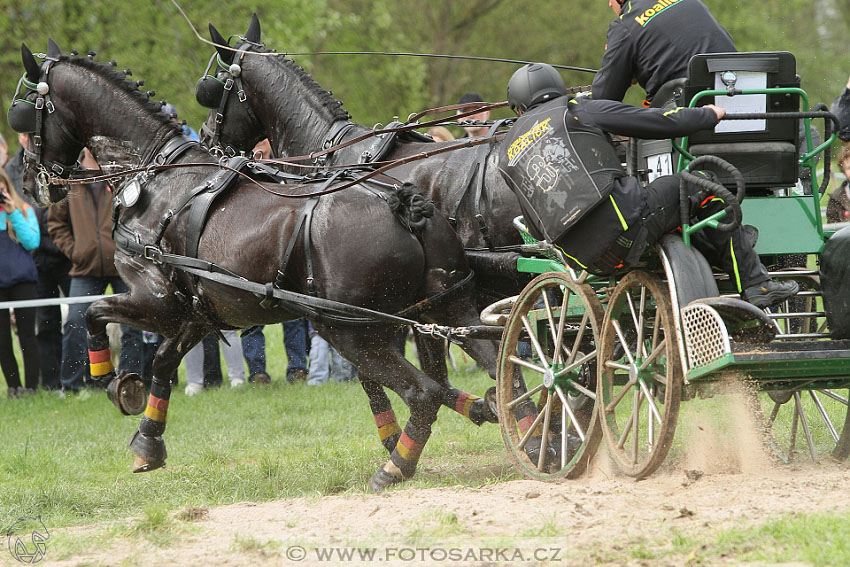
69,461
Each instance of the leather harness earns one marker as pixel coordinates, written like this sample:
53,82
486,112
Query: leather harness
200,200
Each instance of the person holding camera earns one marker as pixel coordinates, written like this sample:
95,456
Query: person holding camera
18,277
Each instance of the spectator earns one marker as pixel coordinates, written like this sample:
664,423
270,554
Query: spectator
170,110
81,227
838,206
653,46
326,363
18,276
4,152
53,280
474,131
841,108
295,343
440,134
197,366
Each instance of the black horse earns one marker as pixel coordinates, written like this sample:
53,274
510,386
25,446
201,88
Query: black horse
192,246
272,96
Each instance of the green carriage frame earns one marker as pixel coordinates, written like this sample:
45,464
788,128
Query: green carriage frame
619,359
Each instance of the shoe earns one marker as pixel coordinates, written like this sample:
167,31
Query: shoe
770,293
12,393
193,389
297,375
260,378
237,383
25,392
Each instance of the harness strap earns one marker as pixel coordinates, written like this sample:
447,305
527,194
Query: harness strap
200,206
479,169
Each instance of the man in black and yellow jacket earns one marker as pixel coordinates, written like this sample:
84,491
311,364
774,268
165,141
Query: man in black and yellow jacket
652,41
559,162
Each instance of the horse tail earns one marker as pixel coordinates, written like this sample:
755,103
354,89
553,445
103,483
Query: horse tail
411,207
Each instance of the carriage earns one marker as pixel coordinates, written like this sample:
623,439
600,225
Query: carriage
614,357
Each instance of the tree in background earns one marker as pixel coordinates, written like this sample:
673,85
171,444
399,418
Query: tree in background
154,40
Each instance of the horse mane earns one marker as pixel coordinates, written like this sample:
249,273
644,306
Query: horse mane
314,88
120,80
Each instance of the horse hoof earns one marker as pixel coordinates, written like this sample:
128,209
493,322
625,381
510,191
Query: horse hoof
141,465
150,452
490,399
383,480
128,393
552,458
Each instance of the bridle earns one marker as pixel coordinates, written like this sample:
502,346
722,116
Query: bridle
45,169
233,83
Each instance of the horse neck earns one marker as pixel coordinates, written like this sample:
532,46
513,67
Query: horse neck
297,112
126,123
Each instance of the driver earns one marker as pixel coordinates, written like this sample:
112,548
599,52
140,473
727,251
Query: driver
652,42
559,162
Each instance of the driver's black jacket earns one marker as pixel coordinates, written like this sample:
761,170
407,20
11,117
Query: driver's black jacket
653,41
620,216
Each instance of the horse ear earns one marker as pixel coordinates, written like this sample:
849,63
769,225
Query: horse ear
30,64
253,33
219,41
53,50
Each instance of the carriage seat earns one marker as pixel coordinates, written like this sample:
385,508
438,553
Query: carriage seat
764,151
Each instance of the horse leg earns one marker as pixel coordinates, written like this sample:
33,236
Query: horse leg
147,443
433,359
374,355
388,428
126,391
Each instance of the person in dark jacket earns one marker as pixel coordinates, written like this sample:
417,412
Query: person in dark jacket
18,234
560,163
652,41
840,107
53,267
81,227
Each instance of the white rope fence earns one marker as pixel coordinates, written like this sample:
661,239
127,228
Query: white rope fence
49,302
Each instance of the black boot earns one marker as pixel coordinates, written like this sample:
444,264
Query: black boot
770,293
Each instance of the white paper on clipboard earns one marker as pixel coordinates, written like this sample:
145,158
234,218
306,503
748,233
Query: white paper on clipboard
739,104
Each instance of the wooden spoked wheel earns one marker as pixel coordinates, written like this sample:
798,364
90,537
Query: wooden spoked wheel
546,384
804,424
640,375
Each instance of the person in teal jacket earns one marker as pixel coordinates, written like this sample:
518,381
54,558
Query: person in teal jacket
19,234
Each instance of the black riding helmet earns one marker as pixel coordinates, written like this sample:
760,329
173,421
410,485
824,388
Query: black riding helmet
533,84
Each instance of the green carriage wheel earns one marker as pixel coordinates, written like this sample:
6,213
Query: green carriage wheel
552,388
803,424
799,424
640,374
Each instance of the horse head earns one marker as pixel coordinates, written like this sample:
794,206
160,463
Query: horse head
59,104
255,93
34,112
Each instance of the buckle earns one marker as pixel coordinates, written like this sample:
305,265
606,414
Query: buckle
228,84
49,106
152,253
242,96
39,103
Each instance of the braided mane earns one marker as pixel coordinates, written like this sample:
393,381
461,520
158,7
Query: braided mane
306,79
118,78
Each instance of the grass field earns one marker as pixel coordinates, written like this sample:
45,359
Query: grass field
68,459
